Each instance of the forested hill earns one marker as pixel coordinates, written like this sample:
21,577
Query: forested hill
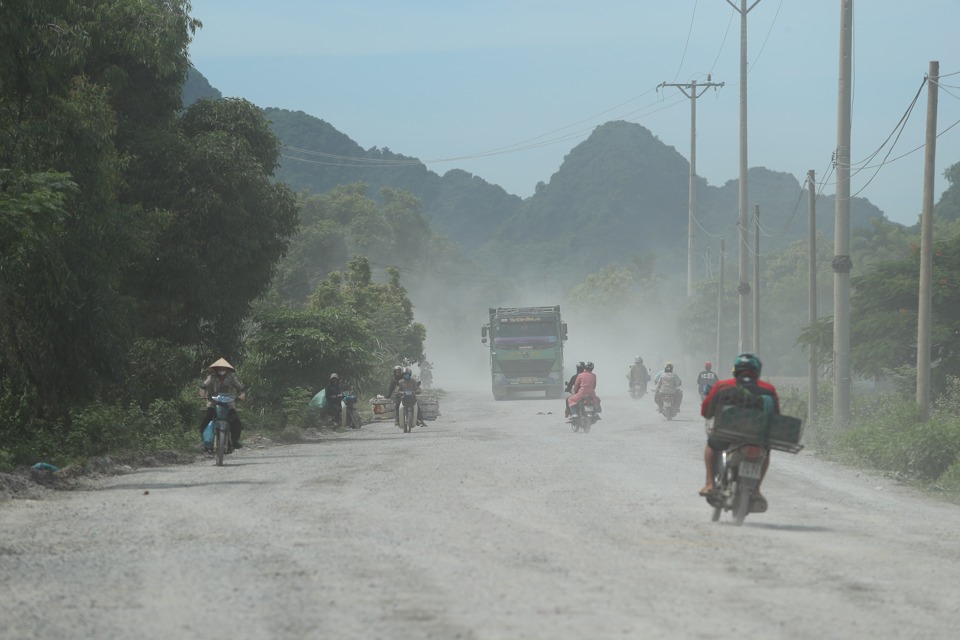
317,158
621,192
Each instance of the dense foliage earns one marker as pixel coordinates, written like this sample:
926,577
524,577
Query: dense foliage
136,235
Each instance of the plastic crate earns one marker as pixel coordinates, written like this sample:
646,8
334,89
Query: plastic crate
383,408
738,424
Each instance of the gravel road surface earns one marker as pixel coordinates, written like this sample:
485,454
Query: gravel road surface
495,521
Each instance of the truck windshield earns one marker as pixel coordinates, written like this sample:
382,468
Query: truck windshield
528,329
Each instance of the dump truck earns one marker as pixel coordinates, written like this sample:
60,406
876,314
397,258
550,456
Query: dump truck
526,350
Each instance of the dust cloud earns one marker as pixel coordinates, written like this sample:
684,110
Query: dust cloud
609,339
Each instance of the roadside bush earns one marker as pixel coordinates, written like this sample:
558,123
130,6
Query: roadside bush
6,461
888,435
950,480
878,436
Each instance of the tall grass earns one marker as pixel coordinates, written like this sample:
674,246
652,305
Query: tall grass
887,434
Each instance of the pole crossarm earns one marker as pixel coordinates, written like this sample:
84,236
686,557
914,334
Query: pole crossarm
692,90
692,87
738,10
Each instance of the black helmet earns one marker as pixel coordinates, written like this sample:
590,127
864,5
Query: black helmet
588,366
581,366
747,364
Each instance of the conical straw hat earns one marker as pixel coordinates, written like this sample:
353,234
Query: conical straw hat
221,363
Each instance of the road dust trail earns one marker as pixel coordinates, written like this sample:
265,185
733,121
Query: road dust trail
495,521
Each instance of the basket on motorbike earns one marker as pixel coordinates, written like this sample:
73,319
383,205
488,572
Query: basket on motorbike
738,424
429,407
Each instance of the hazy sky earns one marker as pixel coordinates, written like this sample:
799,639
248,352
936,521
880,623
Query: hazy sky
505,89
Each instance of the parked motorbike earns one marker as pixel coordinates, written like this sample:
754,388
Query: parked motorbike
408,410
737,477
584,416
350,415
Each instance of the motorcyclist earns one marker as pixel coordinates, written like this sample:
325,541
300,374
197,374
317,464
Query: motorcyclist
222,379
394,381
744,389
585,384
407,383
638,376
707,378
334,395
580,367
668,382
569,388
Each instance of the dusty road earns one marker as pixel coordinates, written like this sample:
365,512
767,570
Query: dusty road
495,521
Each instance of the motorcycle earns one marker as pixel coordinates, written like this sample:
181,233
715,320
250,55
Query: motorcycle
669,405
350,415
638,390
751,434
584,416
222,443
408,410
738,474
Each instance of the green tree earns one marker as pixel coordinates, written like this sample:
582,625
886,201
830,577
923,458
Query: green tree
386,308
224,226
948,208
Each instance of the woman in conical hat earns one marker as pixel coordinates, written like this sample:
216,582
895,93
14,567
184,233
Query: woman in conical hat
223,379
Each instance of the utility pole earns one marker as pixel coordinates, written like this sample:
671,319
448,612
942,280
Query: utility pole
842,264
744,287
756,279
812,293
925,311
720,306
691,91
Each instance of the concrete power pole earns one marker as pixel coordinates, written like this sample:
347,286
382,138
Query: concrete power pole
691,91
925,310
812,293
841,247
756,279
744,287
720,307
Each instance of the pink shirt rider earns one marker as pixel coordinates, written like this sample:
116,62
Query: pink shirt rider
585,385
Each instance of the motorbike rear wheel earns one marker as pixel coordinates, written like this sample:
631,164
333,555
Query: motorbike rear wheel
585,424
741,502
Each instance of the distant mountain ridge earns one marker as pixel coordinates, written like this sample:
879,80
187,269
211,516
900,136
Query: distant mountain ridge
621,192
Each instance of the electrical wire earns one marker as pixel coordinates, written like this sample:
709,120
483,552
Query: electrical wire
722,42
769,31
523,145
686,44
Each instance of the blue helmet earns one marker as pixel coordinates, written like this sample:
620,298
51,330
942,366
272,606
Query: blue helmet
747,364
